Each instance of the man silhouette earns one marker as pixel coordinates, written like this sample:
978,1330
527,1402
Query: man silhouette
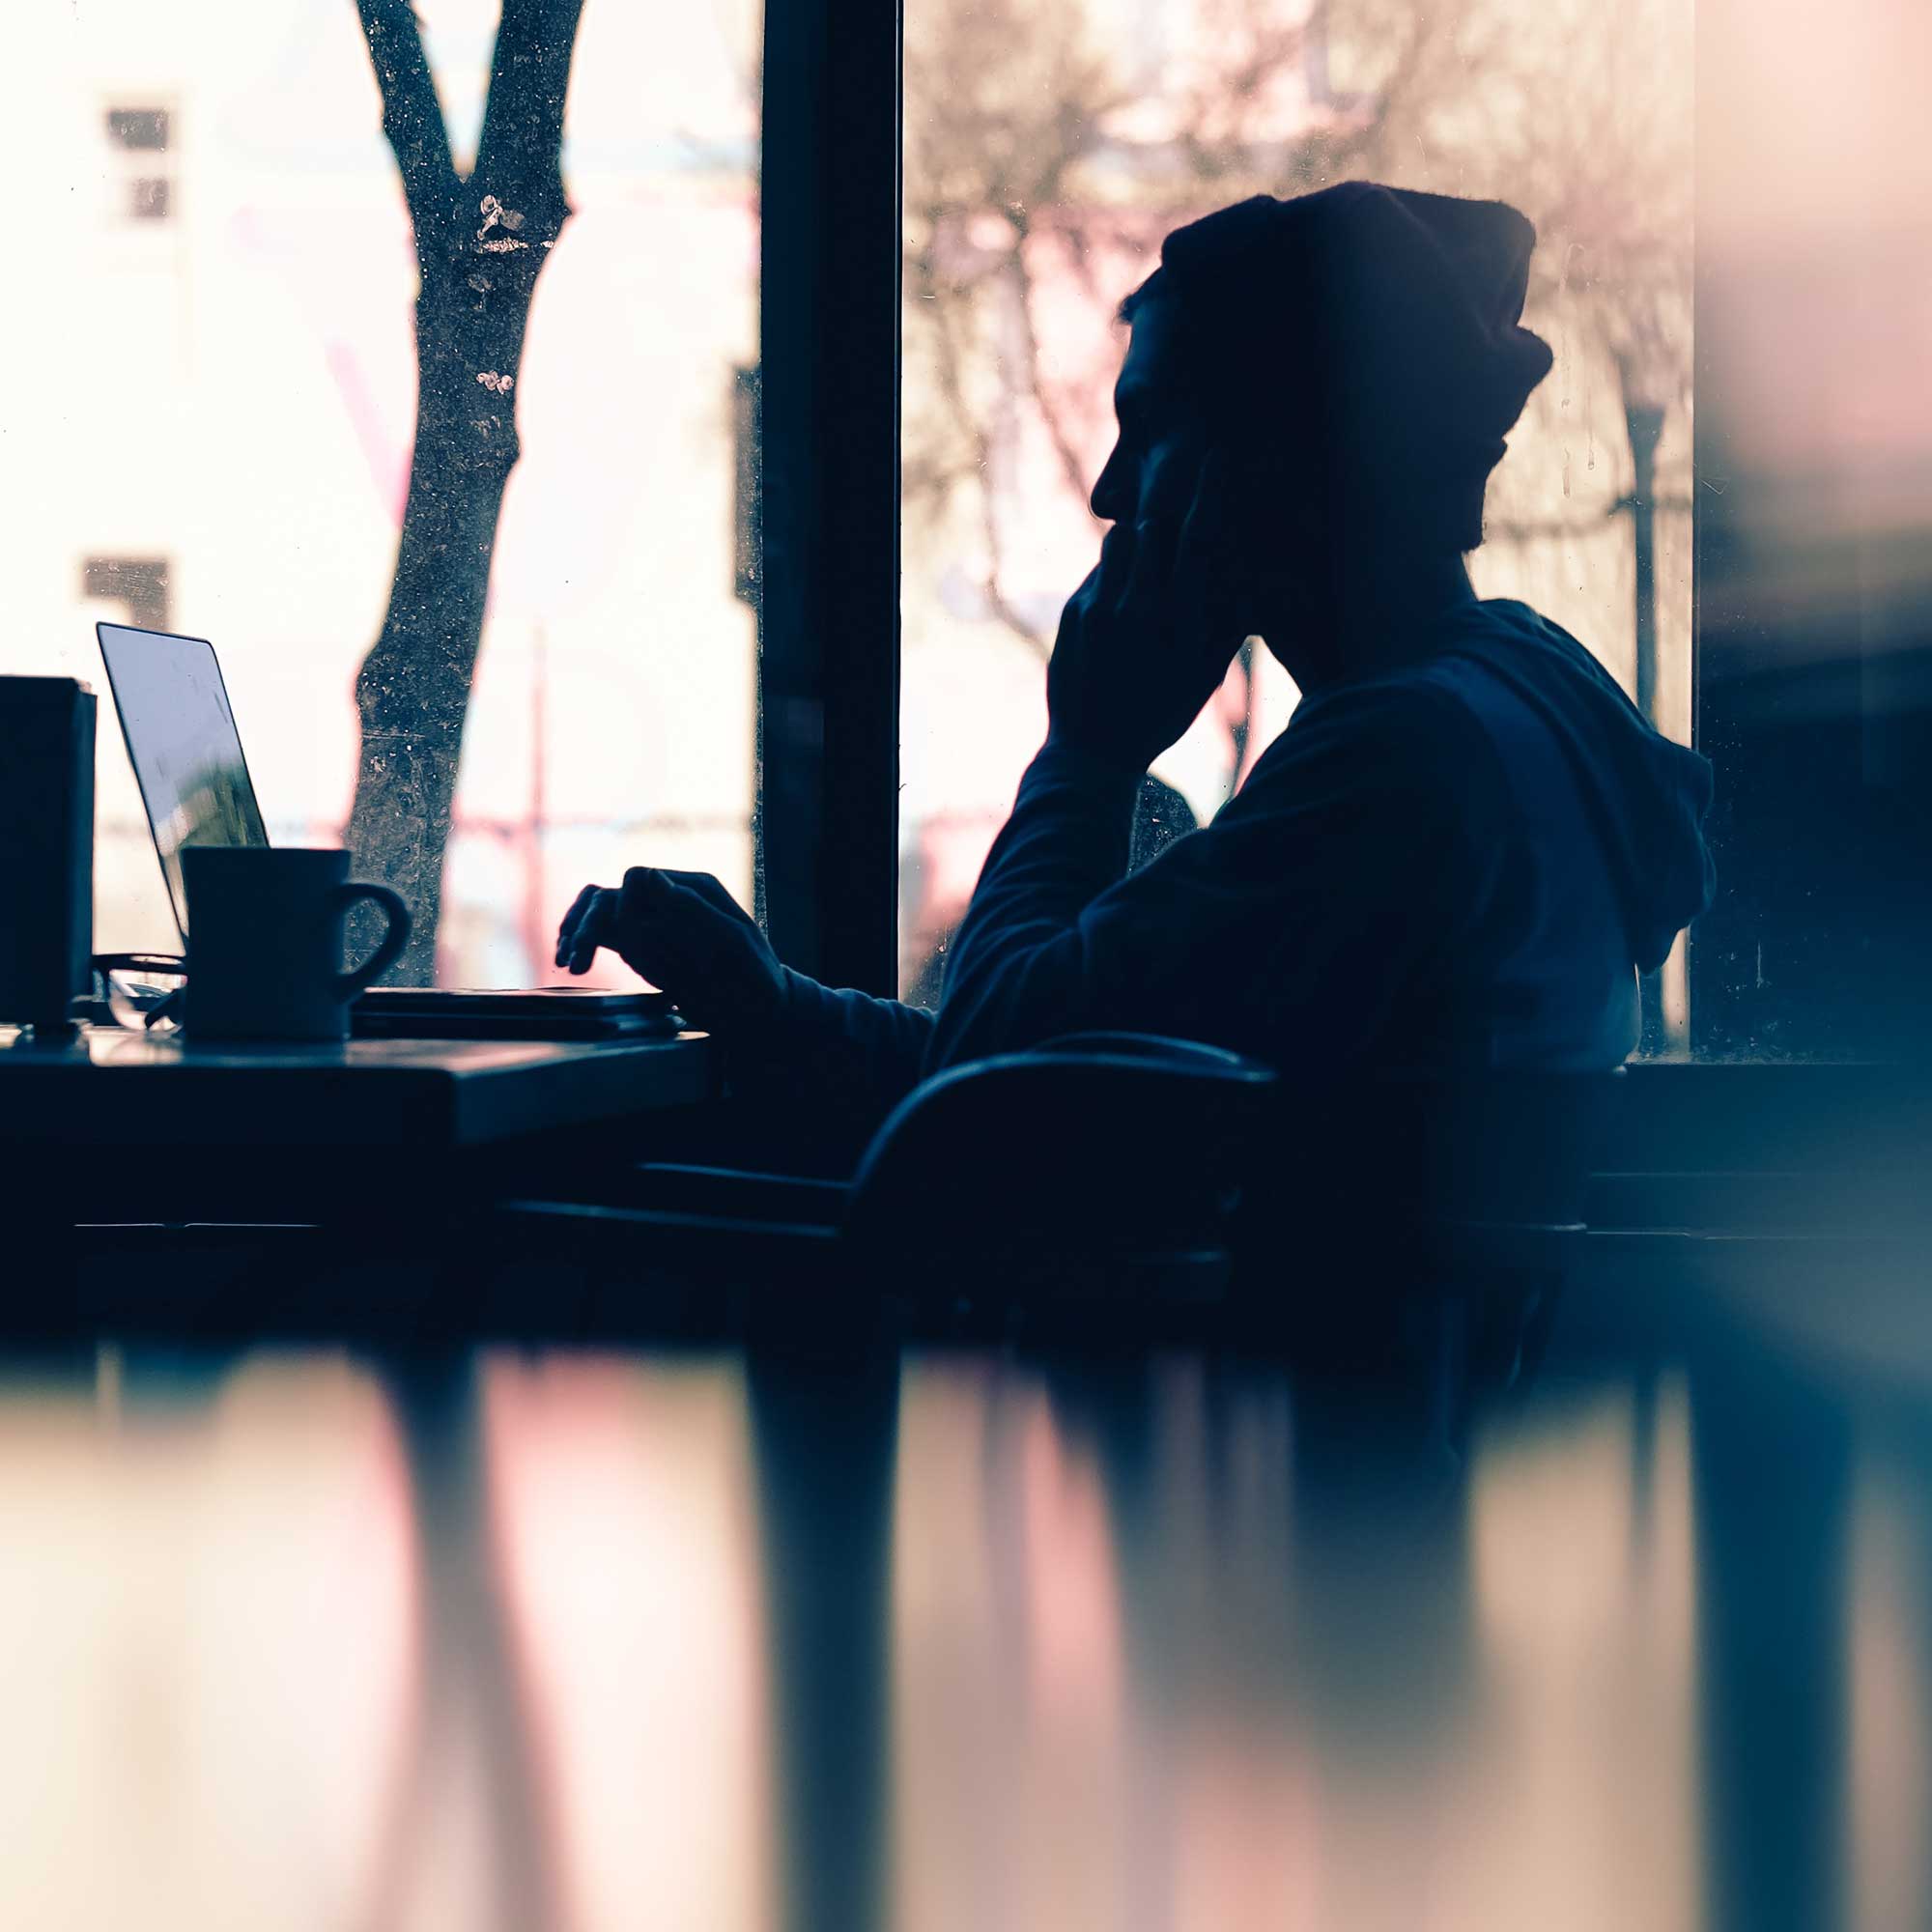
1466,845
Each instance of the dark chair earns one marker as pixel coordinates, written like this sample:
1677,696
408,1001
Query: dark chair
1102,1175
1096,1163
1421,1227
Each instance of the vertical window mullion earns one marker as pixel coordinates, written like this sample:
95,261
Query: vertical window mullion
828,809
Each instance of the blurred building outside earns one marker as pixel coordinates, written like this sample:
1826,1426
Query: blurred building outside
219,436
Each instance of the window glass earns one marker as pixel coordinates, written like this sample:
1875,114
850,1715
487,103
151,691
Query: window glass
219,437
1814,590
1047,152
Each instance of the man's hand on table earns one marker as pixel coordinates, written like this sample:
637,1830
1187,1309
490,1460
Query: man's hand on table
685,933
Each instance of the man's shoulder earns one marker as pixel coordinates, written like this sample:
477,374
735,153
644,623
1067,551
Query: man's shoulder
1416,725
1405,764
1444,709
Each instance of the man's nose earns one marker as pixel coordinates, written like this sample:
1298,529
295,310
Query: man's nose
1105,501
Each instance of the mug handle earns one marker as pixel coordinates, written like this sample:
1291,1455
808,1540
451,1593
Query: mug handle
389,951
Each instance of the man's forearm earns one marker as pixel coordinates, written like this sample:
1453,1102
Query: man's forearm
1016,971
868,1050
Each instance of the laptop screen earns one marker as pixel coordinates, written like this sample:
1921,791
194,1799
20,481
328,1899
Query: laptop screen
183,744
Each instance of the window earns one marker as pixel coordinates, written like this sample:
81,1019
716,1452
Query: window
245,404
139,585
1047,152
1814,570
691,650
140,138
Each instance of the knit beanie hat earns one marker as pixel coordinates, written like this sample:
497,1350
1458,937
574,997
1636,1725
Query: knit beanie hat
1373,333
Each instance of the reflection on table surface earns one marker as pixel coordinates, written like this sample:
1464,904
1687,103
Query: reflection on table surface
516,1641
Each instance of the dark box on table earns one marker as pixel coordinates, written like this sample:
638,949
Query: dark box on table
46,847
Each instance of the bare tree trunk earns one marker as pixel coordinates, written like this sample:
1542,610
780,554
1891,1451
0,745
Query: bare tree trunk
480,245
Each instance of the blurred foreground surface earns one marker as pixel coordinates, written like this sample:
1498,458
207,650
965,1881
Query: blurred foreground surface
515,1640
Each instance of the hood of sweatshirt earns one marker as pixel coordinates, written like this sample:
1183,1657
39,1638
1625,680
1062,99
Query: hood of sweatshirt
1645,795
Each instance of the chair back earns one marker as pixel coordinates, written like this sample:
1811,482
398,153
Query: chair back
1099,1145
1473,1146
1398,1191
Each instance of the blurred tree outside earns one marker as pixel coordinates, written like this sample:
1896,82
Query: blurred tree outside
1047,152
481,241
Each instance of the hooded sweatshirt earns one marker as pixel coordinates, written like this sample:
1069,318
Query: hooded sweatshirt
1463,861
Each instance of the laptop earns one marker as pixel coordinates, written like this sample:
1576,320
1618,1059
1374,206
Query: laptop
186,752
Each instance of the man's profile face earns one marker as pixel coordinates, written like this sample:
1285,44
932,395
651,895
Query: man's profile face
1156,455
1155,466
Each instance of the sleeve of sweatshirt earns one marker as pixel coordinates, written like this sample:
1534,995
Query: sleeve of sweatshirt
868,1052
1365,842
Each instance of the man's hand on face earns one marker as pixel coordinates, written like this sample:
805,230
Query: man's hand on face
685,933
1147,640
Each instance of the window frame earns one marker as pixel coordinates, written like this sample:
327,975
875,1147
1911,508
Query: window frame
826,818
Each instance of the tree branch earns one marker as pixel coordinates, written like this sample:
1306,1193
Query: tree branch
1072,470
412,114
948,367
519,156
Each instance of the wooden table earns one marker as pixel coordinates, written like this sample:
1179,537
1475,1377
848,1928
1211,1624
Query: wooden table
122,1126
114,1087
